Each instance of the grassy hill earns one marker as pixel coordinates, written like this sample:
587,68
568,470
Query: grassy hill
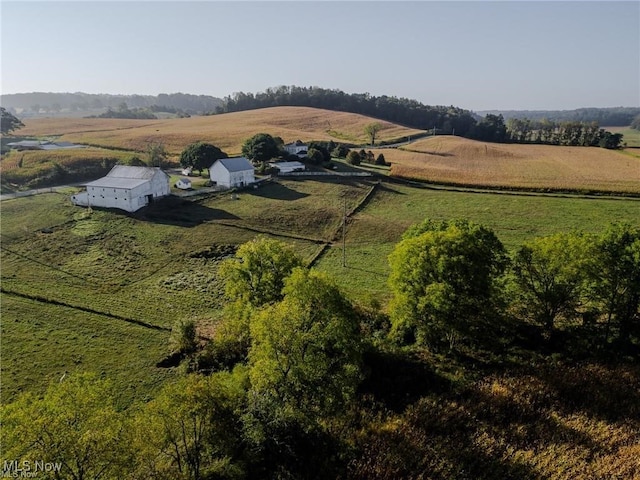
442,159
227,131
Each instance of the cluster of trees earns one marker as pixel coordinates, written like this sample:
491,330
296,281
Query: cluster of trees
285,365
398,110
492,128
453,280
123,111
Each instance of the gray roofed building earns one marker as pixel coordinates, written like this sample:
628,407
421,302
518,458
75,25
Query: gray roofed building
236,164
126,188
232,172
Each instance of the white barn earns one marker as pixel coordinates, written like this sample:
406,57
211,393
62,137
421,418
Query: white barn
232,172
126,188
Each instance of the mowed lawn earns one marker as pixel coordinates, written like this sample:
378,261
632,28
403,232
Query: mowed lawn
227,131
460,161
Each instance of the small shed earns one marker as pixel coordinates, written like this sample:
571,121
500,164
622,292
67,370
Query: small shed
183,183
288,167
232,172
124,187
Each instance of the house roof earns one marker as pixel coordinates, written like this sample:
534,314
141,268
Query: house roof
236,164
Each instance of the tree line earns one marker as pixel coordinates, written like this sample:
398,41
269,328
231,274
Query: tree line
611,117
403,111
492,128
276,392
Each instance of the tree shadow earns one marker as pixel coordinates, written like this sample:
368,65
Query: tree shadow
277,191
397,381
181,213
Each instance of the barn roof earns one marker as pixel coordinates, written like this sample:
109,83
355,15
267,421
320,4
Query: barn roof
123,176
117,182
125,171
236,164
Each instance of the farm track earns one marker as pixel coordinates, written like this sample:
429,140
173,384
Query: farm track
37,298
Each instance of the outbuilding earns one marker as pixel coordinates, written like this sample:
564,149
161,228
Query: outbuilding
183,184
288,167
126,188
232,172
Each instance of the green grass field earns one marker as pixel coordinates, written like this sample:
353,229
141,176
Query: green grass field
153,267
630,136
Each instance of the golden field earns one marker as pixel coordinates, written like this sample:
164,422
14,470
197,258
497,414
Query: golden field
227,131
460,161
443,159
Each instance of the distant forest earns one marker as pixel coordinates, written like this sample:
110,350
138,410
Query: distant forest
578,130
609,117
36,103
403,111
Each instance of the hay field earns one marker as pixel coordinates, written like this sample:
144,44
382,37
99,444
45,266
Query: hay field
455,160
227,131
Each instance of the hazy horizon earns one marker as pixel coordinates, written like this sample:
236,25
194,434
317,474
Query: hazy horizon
475,55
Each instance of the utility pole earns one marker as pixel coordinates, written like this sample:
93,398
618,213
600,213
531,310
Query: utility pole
344,235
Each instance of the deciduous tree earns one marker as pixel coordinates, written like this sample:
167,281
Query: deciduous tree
444,280
371,130
551,274
201,155
74,425
260,148
256,274
8,122
305,354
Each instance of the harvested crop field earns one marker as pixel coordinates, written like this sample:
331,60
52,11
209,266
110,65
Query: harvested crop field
228,131
454,160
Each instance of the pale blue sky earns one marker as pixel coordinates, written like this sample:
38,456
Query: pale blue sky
476,55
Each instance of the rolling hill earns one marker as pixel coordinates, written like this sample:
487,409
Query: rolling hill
443,159
227,131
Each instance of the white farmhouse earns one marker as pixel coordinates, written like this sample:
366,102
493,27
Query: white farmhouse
126,188
297,148
232,172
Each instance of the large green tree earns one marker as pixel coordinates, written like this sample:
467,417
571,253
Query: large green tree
260,148
8,122
190,429
616,278
75,425
201,155
551,275
444,280
256,274
304,368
